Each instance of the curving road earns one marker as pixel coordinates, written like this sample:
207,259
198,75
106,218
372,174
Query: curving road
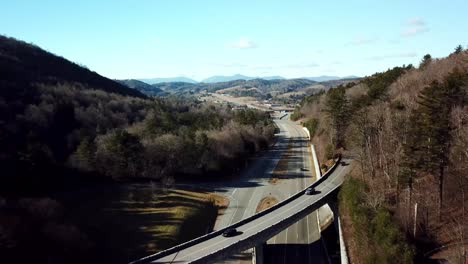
298,242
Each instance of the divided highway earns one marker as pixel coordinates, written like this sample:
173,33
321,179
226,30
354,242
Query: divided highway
278,226
299,243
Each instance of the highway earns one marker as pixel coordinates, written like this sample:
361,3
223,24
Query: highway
300,243
296,239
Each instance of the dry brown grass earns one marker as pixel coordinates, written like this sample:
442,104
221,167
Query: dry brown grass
266,203
137,221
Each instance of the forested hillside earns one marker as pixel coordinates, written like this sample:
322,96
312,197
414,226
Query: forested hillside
142,87
407,130
64,127
262,86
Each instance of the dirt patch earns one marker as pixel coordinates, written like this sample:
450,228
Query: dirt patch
325,166
273,181
266,203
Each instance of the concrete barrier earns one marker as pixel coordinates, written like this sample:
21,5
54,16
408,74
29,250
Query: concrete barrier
325,214
307,132
343,252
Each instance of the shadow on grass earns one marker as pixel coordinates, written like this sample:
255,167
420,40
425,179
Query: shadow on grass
126,229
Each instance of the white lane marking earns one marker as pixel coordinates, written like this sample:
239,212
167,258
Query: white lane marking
308,239
235,211
285,251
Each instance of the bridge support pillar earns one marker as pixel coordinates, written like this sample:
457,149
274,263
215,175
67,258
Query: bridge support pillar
333,203
257,254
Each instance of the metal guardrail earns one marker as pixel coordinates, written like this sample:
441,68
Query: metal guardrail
197,240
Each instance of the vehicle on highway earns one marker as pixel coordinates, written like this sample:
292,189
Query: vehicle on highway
229,232
304,169
310,191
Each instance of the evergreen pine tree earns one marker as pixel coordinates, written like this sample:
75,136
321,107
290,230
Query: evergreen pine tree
337,107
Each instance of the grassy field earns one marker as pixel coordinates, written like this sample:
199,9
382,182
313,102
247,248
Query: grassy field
129,222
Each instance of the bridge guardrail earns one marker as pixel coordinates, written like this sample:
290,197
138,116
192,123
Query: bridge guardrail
282,222
197,240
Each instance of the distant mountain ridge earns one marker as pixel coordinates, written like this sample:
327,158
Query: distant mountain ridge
142,87
261,86
250,87
221,78
324,78
169,79
229,78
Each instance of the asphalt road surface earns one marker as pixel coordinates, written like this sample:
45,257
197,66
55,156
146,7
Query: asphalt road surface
254,185
246,231
300,243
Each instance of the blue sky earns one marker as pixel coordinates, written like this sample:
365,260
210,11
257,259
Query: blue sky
198,39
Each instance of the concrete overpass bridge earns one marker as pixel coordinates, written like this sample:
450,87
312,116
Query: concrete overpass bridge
258,228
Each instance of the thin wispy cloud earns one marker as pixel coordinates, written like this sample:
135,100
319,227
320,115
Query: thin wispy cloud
394,56
414,26
244,43
362,41
232,65
302,65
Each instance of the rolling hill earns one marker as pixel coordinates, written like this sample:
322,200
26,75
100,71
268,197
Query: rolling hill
259,88
23,64
170,79
142,87
221,78
264,86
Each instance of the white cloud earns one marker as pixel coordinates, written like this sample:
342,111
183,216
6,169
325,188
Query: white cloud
244,43
394,56
414,26
417,22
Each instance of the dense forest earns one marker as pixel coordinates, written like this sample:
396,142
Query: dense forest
64,127
407,130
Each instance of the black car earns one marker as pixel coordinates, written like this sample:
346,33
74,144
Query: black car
229,232
310,191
